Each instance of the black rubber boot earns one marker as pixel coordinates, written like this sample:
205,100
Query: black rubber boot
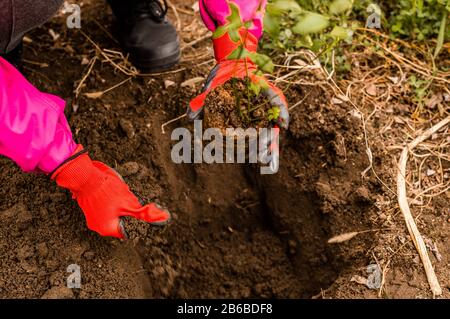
15,56
146,34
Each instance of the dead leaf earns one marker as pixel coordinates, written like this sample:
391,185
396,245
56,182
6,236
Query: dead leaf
342,238
394,79
192,81
416,202
343,98
430,172
27,39
359,280
336,101
399,120
93,95
434,100
300,62
356,114
69,49
168,83
196,6
446,97
85,61
372,90
433,247
55,36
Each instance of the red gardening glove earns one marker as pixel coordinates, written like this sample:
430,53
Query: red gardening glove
103,195
227,69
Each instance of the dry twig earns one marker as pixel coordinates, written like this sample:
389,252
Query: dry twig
171,121
404,206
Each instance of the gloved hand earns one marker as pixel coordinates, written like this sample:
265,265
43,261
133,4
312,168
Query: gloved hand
233,52
103,195
35,134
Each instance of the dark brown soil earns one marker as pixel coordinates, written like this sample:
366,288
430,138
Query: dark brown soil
235,105
235,233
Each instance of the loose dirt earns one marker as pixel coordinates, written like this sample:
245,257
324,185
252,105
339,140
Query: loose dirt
235,105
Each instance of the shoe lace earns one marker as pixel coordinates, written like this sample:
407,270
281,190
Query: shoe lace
154,8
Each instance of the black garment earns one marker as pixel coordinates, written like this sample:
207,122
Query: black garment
15,56
20,16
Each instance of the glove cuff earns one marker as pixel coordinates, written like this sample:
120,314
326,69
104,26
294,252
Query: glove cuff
76,172
224,46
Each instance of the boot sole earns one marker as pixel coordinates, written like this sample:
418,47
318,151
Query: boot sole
159,65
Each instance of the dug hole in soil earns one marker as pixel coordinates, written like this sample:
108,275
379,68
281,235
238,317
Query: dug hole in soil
235,233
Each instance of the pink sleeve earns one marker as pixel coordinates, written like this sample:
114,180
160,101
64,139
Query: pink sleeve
215,12
34,132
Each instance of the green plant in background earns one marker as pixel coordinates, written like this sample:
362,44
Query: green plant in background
420,89
418,19
321,25
413,19
309,24
316,25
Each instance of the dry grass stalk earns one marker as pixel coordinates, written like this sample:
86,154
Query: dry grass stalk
404,206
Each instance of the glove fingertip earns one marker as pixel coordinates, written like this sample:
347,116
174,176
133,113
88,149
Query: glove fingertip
166,220
283,124
122,230
194,115
157,215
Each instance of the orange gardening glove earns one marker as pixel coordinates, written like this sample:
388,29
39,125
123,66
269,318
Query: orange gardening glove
103,195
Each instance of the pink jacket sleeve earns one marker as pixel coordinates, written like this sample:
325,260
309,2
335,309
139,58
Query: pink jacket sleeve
34,132
215,12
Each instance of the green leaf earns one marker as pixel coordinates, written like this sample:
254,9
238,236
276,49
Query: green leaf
273,114
234,18
271,24
317,45
304,41
239,53
262,83
311,23
341,33
220,31
264,63
234,35
279,7
340,6
233,25
440,40
256,89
